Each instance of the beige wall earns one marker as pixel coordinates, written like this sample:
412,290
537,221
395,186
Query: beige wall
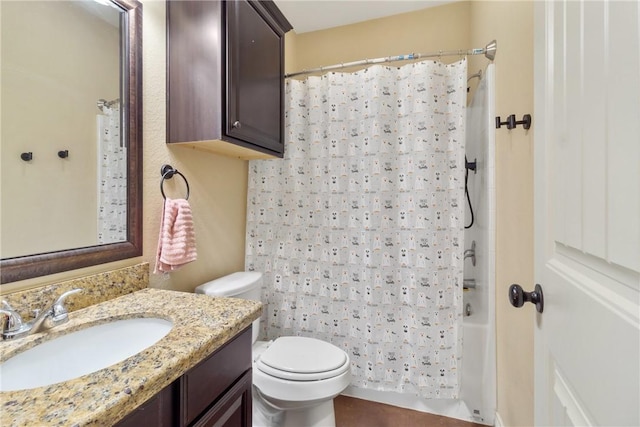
511,24
57,61
427,30
218,185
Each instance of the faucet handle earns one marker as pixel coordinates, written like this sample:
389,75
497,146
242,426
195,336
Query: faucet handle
6,306
10,320
58,308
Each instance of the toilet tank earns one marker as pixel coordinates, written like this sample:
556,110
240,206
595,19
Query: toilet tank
243,284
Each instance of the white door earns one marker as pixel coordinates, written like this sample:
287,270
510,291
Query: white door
587,212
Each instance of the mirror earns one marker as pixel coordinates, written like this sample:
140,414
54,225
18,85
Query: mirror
71,135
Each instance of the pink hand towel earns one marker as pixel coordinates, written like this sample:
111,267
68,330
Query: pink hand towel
177,240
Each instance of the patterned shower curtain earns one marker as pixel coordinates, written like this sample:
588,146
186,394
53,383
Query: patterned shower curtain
359,229
112,177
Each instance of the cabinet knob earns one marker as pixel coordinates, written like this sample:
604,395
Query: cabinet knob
237,124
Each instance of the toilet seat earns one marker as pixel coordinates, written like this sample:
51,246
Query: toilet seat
293,391
302,359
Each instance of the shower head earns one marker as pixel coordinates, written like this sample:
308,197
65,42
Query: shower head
490,50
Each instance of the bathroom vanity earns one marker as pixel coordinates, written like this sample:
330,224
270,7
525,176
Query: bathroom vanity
198,374
215,392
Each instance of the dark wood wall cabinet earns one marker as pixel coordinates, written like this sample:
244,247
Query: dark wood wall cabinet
217,392
225,76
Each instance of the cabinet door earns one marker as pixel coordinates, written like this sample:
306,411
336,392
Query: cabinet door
194,69
203,384
233,409
159,411
255,76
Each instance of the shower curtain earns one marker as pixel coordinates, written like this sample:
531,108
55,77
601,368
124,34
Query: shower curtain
359,229
112,177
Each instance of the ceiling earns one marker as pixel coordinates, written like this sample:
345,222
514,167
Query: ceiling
312,15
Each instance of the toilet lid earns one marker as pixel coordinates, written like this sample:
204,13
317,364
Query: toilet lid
303,355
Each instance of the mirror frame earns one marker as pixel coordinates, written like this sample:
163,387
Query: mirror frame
29,266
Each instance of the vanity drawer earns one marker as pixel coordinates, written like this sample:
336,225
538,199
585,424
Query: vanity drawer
206,382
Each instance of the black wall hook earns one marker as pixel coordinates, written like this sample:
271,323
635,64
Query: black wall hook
499,123
27,156
63,154
525,122
512,122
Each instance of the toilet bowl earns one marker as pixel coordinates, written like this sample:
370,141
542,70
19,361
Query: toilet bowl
294,378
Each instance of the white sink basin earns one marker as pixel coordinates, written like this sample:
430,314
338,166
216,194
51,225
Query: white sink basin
80,353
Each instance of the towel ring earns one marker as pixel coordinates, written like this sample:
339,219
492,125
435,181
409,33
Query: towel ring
167,172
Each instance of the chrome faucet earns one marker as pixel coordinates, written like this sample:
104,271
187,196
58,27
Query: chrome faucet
14,327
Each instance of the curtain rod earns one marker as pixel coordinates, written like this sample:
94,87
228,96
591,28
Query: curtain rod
489,51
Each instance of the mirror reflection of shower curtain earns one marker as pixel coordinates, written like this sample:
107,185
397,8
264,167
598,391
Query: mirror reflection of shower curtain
359,229
112,177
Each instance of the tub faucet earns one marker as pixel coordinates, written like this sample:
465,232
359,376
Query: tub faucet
14,327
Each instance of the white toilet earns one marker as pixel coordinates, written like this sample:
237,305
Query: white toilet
294,378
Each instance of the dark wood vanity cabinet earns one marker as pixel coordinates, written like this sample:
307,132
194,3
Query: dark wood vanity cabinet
212,381
159,411
233,409
225,76
217,392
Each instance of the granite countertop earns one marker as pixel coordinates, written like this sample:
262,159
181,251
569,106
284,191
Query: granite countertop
202,324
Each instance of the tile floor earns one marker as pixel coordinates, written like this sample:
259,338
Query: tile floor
352,412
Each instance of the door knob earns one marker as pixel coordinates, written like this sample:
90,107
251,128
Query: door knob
517,297
237,124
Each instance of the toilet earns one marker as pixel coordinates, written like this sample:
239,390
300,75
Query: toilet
294,378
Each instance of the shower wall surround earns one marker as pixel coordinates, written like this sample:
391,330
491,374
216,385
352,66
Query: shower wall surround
359,229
